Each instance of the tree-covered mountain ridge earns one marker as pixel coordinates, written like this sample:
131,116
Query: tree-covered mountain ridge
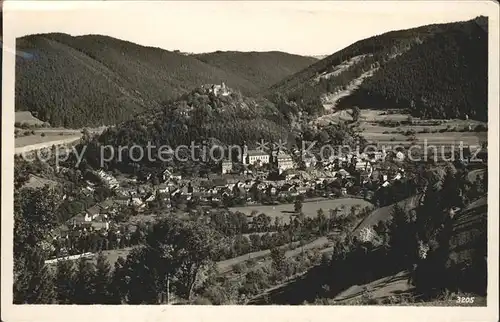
202,114
434,71
94,80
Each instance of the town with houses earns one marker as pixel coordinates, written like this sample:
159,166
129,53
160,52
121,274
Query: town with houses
264,178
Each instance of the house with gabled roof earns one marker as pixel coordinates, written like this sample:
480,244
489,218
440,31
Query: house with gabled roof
163,188
93,211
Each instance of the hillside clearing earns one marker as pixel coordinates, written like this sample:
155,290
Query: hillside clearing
330,99
25,117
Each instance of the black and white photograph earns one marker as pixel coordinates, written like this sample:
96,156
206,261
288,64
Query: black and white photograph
250,153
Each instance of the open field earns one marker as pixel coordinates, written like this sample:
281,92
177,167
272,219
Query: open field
36,142
365,116
309,209
376,116
373,129
37,139
436,139
51,136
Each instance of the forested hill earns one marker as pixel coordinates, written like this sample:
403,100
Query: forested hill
435,71
201,114
197,116
94,80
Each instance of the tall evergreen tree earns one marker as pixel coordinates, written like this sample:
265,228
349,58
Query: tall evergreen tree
65,278
450,190
402,236
102,281
119,282
84,287
33,281
33,219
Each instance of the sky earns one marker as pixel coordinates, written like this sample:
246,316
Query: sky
301,27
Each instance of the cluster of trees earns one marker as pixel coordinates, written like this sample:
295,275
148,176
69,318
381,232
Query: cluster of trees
69,179
172,250
23,169
242,244
79,98
68,183
195,117
420,240
397,191
281,269
340,134
33,221
252,280
82,239
264,233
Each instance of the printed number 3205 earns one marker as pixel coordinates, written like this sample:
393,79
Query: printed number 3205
465,300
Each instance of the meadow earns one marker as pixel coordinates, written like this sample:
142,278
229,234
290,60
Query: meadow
393,128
